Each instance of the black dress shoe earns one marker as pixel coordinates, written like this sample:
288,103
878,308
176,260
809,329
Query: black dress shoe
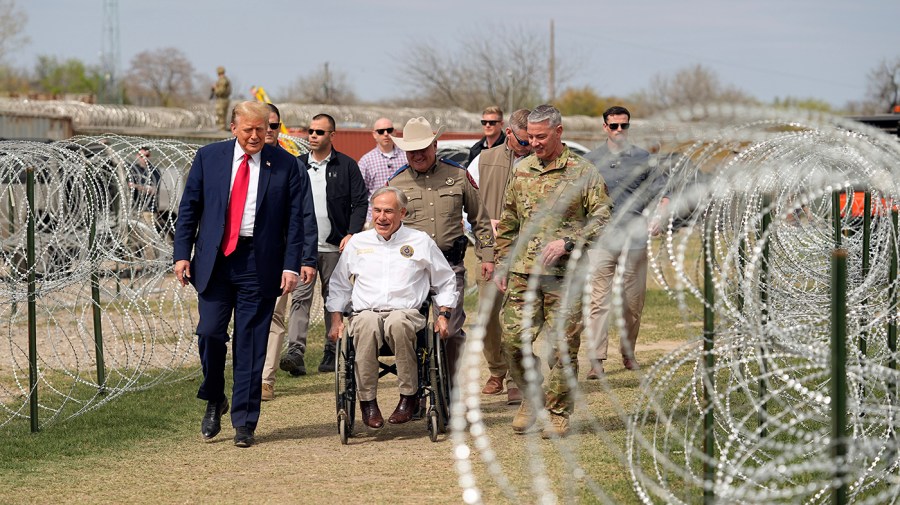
371,414
211,424
243,436
406,407
327,364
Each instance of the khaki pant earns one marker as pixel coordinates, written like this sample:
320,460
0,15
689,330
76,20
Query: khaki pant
370,331
634,289
222,113
277,332
493,350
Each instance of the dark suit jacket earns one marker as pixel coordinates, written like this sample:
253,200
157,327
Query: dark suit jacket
346,195
279,230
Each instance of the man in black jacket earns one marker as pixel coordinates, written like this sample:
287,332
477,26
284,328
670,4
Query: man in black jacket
341,201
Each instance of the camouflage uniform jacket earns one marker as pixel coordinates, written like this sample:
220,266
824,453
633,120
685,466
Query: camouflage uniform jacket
437,198
567,198
222,89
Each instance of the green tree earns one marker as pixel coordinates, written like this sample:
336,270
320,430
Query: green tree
813,104
581,102
69,76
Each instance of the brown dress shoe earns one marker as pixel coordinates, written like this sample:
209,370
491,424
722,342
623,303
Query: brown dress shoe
630,363
494,386
513,395
371,414
406,407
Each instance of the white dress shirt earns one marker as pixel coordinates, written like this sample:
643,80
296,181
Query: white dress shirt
252,189
391,274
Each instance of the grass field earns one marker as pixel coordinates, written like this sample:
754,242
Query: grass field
145,447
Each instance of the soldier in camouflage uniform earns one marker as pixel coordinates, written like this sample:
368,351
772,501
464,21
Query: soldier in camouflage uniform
555,199
221,92
438,192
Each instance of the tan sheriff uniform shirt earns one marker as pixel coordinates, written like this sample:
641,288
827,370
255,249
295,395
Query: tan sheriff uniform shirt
437,199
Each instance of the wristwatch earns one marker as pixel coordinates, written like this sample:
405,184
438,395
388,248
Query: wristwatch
445,313
569,245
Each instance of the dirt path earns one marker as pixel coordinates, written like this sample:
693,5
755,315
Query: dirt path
299,457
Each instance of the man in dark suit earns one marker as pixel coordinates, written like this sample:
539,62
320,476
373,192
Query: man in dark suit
242,216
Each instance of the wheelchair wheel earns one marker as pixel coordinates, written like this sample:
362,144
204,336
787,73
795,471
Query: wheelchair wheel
344,427
440,382
434,427
344,388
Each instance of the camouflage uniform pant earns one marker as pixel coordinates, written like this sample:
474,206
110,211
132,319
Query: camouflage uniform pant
222,113
545,317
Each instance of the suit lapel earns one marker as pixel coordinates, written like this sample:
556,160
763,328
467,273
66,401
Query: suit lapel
225,186
265,173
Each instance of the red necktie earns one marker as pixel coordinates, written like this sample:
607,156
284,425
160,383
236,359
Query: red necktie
236,207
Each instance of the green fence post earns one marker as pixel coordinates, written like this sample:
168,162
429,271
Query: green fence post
892,306
32,305
839,372
862,342
763,414
709,439
98,320
836,216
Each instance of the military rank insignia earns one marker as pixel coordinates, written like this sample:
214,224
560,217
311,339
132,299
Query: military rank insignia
449,181
407,251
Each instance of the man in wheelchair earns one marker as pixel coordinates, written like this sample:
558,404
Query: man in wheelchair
382,279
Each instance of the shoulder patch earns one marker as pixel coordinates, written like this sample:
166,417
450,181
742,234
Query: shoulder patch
471,180
395,174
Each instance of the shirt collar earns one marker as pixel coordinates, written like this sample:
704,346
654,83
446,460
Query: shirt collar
239,153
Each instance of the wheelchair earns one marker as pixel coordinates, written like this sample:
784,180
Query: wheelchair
433,385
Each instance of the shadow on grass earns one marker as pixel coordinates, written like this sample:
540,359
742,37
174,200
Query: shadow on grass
131,419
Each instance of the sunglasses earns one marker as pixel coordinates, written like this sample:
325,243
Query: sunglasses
318,132
491,122
274,126
521,142
615,126
382,131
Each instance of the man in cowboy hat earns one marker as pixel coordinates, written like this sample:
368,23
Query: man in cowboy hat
438,192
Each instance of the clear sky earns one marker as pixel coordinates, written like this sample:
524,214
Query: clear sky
768,48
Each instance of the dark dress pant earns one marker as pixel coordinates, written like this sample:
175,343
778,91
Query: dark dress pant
234,289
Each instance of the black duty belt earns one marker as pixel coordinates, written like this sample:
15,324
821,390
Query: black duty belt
456,253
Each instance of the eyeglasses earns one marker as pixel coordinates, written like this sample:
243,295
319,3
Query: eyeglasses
491,122
382,131
275,126
521,142
615,126
318,132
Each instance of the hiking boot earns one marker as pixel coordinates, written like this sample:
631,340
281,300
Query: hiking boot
557,427
268,392
327,364
524,418
293,363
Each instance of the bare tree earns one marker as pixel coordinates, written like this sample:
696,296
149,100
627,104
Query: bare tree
509,69
161,77
687,87
884,85
322,86
12,24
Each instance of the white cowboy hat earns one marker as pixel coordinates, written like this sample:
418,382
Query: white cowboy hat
417,134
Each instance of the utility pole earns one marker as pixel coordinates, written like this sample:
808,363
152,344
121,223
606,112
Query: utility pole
111,91
327,85
551,85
